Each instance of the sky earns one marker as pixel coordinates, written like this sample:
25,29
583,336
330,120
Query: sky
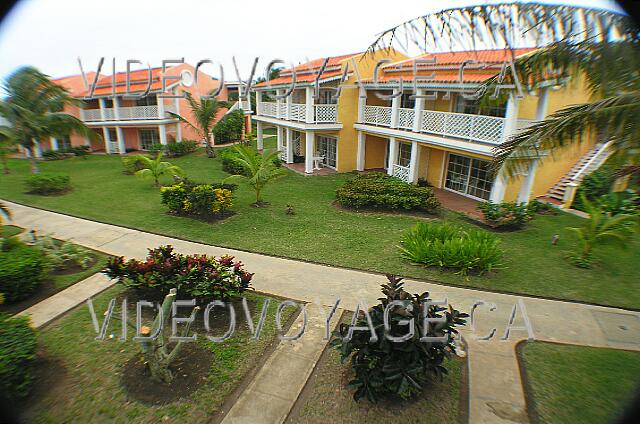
53,34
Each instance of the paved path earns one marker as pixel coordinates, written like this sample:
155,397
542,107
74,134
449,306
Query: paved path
495,397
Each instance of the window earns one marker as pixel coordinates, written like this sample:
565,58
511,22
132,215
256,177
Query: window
404,154
150,100
108,103
469,176
470,106
113,134
64,142
326,97
327,147
148,137
407,102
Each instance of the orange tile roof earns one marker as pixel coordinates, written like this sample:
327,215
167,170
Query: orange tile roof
497,56
307,72
74,83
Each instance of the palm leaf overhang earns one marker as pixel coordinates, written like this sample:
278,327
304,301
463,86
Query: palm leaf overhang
601,47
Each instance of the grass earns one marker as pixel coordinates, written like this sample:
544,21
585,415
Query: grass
10,230
327,399
577,384
88,383
321,233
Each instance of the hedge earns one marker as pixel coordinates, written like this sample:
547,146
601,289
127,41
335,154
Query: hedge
17,350
22,269
48,184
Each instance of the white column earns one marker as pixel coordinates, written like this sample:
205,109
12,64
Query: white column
258,102
527,182
289,145
116,108
415,160
287,102
36,148
54,143
121,145
278,104
101,104
160,102
393,155
499,187
178,132
395,111
511,116
280,138
107,140
362,102
309,151
417,111
309,118
162,129
360,159
259,135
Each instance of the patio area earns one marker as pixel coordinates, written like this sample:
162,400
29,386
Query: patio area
299,168
457,202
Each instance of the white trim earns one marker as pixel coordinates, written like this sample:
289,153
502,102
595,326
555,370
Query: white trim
300,126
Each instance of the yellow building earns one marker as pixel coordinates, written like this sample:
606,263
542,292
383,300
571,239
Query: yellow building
417,118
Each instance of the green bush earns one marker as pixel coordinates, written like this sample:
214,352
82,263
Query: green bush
189,198
398,368
17,350
451,246
229,127
48,184
197,276
593,186
22,269
228,158
507,214
377,190
133,164
63,254
55,155
77,150
180,149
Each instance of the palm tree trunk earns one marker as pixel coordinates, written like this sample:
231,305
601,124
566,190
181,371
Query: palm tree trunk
34,162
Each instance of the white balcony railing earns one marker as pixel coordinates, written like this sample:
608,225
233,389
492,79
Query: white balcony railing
322,113
125,113
401,172
405,118
377,115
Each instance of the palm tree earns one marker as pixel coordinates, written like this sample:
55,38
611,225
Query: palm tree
155,168
602,46
600,228
259,169
8,139
204,112
34,108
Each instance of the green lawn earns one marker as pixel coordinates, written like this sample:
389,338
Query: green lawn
321,233
79,379
10,230
577,384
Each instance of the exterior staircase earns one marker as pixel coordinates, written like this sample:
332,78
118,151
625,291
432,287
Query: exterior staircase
563,192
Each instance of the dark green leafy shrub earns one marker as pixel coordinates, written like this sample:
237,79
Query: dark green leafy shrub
48,184
77,150
507,214
229,127
399,368
180,149
55,155
133,164
17,351
451,246
189,198
62,254
624,202
593,186
377,190
22,269
196,276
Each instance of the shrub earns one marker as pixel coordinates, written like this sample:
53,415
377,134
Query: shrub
22,269
596,184
399,368
229,127
232,165
451,246
624,202
55,155
197,276
133,164
17,350
78,150
62,254
507,214
189,198
377,190
180,149
48,184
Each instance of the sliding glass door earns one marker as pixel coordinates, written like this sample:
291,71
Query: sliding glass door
469,176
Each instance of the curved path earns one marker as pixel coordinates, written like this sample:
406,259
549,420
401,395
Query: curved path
496,393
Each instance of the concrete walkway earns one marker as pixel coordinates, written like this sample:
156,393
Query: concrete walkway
495,391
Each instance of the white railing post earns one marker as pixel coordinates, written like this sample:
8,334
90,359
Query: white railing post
309,152
278,104
289,145
393,155
362,103
417,111
360,159
288,100
395,110
116,108
101,104
309,109
160,102
413,163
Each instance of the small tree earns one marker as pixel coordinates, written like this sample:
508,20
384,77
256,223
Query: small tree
158,357
8,139
259,169
600,228
155,168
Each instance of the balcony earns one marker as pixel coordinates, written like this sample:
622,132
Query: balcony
124,113
480,128
321,113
